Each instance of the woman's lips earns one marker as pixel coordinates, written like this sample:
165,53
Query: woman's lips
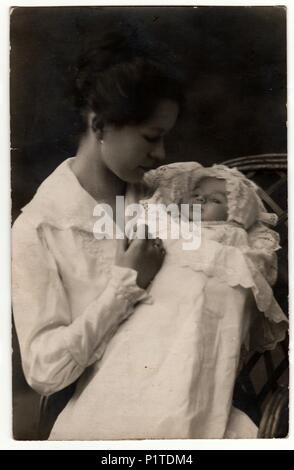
147,168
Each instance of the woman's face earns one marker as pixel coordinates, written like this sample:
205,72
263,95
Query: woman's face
131,150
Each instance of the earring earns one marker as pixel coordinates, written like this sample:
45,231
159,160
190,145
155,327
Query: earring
97,127
94,124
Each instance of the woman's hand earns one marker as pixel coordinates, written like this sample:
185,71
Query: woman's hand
144,255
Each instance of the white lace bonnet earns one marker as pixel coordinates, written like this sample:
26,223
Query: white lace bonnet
171,182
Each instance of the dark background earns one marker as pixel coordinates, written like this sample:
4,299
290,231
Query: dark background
235,58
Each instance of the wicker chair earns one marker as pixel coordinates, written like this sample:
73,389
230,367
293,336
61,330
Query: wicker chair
270,399
268,406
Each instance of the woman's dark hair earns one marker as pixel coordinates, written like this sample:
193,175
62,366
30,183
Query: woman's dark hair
122,76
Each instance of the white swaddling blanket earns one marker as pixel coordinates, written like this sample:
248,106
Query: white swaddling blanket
169,371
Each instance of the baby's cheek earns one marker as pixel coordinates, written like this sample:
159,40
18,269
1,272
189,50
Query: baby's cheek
214,212
220,211
225,212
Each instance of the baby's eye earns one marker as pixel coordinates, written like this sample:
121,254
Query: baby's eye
152,139
216,201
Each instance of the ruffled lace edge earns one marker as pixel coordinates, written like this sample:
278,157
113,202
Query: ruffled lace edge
267,330
232,267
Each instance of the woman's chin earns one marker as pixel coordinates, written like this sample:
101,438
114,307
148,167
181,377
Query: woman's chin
135,176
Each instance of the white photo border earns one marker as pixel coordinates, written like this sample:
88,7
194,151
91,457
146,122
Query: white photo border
6,439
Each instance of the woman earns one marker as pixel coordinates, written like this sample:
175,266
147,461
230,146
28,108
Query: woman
71,291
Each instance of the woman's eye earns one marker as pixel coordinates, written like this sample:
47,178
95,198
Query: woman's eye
152,139
216,201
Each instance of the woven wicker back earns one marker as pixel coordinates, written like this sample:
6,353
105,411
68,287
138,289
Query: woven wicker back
265,375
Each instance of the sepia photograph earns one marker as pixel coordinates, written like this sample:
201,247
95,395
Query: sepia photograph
149,219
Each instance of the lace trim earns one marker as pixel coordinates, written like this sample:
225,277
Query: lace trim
267,330
235,268
98,249
270,324
124,282
163,174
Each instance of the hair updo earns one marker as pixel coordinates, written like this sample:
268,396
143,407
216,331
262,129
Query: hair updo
122,76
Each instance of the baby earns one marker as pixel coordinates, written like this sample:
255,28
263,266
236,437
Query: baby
170,370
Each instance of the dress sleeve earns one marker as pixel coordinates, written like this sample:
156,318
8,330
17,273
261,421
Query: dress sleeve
55,349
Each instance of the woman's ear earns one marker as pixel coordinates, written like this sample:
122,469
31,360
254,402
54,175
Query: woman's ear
95,124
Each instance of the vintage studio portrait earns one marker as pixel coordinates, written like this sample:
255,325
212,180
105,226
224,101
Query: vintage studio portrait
149,223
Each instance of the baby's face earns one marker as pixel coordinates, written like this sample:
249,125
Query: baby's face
210,193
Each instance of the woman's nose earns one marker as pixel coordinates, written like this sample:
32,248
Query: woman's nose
158,151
